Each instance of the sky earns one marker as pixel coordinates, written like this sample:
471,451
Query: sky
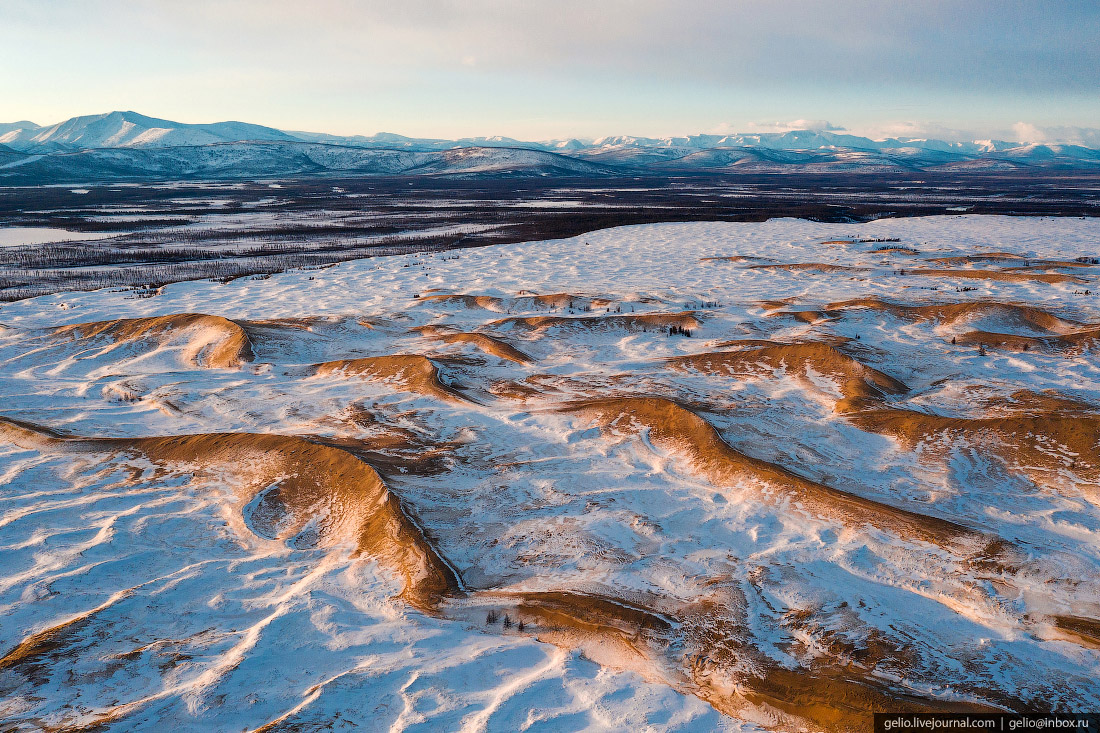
953,69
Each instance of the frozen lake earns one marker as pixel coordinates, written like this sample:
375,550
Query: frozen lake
18,236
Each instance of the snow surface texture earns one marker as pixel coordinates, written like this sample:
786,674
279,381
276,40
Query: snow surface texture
147,593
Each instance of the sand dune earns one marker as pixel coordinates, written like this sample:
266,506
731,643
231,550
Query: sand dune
1046,331
805,316
212,341
950,314
931,548
1070,344
304,323
856,382
1007,257
1006,275
409,372
622,322
1049,442
521,301
489,344
560,300
680,430
895,251
733,258
1083,630
293,491
821,268
705,649
484,302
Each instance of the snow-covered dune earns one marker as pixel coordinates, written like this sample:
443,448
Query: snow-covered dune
672,477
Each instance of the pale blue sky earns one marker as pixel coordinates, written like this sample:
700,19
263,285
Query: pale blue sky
532,70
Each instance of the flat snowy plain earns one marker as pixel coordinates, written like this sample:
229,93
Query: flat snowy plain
560,445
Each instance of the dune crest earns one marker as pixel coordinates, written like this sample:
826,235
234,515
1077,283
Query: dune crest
410,372
1008,257
291,490
212,341
523,301
1043,443
816,267
1005,275
705,649
1070,344
857,383
1048,332
489,344
678,429
949,314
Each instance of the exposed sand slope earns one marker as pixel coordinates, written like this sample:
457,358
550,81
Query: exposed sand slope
1008,276
213,341
705,649
856,382
1069,344
489,344
950,314
1044,442
485,302
523,301
411,372
293,491
679,429
1047,331
816,267
1007,257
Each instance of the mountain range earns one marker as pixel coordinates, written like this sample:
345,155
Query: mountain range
131,146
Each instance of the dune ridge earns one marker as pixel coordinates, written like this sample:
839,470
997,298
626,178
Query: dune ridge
625,322
679,429
858,383
523,301
949,314
215,342
291,490
325,482
1033,442
1070,344
411,372
1007,257
489,344
705,649
818,267
1050,332
1005,275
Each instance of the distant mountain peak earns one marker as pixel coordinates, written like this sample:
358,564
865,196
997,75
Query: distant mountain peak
122,129
130,145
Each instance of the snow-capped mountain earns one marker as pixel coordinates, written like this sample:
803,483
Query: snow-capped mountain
128,130
130,146
283,158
